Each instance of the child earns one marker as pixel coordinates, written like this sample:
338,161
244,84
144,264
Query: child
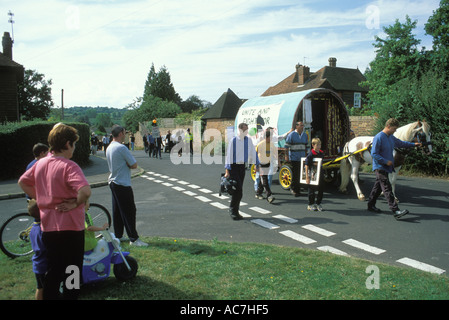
314,153
90,242
40,253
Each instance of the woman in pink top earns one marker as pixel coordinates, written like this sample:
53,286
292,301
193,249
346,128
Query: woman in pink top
61,190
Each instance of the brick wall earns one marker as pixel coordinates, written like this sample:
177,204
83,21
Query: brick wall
362,126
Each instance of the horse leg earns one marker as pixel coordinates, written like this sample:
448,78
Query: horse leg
354,178
393,177
344,172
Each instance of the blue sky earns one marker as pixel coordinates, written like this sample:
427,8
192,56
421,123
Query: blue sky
100,52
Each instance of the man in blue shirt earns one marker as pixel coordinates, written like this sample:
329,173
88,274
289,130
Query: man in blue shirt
383,164
296,143
240,151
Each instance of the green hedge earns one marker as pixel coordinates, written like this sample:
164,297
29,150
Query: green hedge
19,139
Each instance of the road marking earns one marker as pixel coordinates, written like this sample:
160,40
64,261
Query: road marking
363,246
421,266
150,172
284,218
204,199
333,250
172,179
168,184
297,237
265,224
190,193
260,210
156,174
151,178
194,186
318,230
158,181
205,190
182,182
165,177
178,188
219,205
244,215
216,195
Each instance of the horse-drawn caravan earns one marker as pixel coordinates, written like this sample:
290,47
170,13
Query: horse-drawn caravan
321,110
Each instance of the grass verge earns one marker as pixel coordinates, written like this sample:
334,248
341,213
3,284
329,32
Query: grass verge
172,269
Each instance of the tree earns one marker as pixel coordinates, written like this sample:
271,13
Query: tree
192,103
397,58
158,84
438,27
35,99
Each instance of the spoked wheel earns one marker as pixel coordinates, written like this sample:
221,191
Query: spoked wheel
15,235
285,177
100,215
253,172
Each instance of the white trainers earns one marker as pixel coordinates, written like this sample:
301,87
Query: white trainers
270,199
319,207
138,243
312,207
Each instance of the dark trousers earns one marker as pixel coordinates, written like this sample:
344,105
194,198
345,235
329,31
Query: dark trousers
263,183
312,189
296,168
123,211
64,248
382,184
238,174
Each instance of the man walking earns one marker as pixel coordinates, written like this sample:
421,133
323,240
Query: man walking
383,164
296,143
120,162
240,151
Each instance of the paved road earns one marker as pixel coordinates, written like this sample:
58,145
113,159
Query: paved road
182,201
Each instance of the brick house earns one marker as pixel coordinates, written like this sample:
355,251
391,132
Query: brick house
344,81
11,74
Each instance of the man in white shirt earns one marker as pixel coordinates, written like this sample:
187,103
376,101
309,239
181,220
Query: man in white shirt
120,162
240,151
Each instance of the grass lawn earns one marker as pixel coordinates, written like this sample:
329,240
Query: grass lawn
172,269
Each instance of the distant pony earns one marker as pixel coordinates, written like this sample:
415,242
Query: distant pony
416,131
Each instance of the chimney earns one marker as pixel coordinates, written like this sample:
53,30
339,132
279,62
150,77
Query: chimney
302,74
7,45
332,62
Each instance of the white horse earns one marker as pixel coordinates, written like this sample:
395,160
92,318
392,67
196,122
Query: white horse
416,131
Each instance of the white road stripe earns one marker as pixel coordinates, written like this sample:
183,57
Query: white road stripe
178,188
363,246
190,193
333,250
172,179
194,186
182,182
219,205
260,210
265,224
421,266
318,230
168,184
158,181
204,199
165,177
244,215
286,219
216,195
297,237
205,190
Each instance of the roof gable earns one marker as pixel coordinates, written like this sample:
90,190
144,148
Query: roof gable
226,106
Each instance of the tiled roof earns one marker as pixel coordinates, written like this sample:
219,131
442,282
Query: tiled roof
334,78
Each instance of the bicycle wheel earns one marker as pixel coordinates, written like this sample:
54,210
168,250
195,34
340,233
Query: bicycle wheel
100,215
14,235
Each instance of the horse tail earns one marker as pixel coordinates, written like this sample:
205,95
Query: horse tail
345,172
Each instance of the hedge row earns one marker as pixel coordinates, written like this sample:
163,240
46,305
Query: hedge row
19,139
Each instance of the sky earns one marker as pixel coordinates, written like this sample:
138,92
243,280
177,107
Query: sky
100,51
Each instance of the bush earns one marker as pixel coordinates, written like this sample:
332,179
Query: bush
19,139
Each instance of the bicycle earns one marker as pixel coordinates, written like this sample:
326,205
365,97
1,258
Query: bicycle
15,231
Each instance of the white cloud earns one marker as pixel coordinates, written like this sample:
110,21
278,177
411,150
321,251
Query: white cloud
100,52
